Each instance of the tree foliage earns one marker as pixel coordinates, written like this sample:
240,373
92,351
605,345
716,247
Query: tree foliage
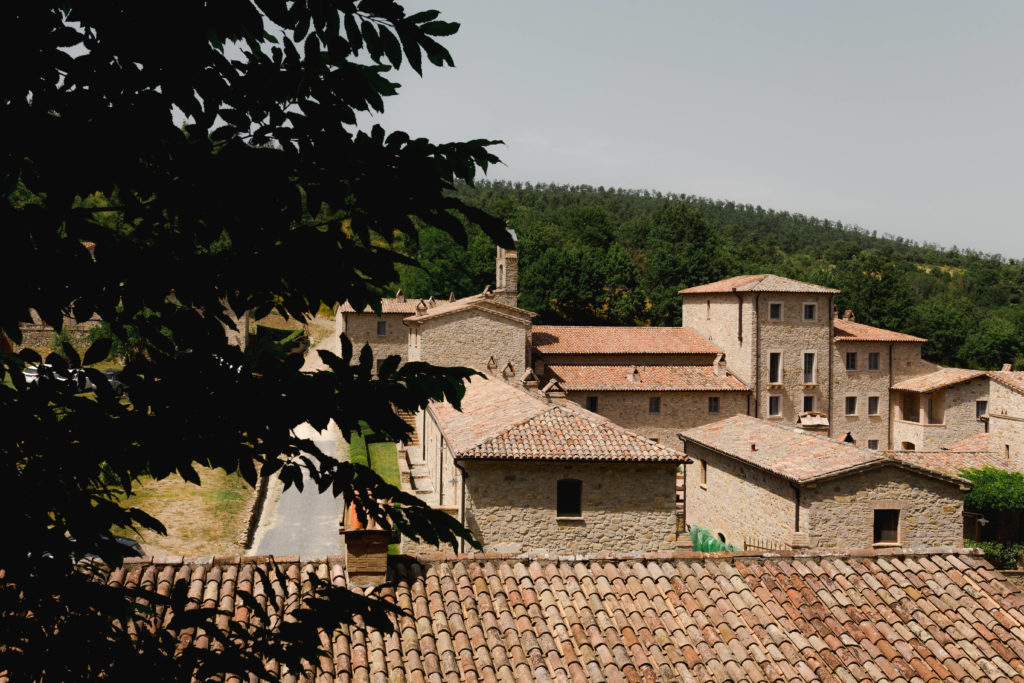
966,303
268,197
994,489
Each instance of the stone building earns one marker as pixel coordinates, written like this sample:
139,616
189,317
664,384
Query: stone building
760,484
652,380
1005,412
524,474
385,332
938,409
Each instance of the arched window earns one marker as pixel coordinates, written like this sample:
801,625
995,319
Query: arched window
570,498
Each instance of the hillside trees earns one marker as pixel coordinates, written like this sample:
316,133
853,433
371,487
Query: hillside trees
268,196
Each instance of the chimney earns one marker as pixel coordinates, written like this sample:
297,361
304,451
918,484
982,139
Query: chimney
849,317
633,375
529,379
400,296
1007,367
492,364
506,269
508,371
719,366
753,447
421,307
366,546
431,301
451,297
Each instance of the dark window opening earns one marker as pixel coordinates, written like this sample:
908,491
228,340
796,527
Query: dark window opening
775,311
382,329
712,404
851,360
872,405
808,368
873,444
774,405
887,526
654,404
851,405
704,473
570,498
592,403
980,408
774,368
808,404
809,311
873,361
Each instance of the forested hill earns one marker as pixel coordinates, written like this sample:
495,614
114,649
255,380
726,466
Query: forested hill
608,256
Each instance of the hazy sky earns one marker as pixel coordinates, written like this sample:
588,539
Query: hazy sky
902,117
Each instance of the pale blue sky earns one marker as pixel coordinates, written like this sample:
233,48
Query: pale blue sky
902,117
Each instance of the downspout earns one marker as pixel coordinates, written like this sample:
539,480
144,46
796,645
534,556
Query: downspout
891,409
757,355
796,519
739,316
831,343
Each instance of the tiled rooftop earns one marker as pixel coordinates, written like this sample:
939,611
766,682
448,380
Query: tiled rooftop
946,377
387,305
645,378
850,331
484,301
791,453
858,616
978,443
570,433
499,421
589,339
952,462
1014,380
758,283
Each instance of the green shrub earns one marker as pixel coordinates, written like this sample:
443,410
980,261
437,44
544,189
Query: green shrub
994,489
1001,555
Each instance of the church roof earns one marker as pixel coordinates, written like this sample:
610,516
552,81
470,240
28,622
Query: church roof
759,283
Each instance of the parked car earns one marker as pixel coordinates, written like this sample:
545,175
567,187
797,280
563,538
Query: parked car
72,378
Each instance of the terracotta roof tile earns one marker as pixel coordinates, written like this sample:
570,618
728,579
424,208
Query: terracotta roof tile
484,302
645,378
1012,379
954,461
579,340
850,331
387,305
939,379
500,421
979,443
793,454
758,283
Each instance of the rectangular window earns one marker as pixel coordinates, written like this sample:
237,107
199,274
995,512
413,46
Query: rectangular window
872,405
570,498
592,403
851,360
980,408
654,404
851,405
774,406
873,444
775,368
809,363
712,404
382,329
809,311
775,311
873,360
808,404
704,473
887,526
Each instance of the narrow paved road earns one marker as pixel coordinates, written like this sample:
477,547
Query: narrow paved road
303,523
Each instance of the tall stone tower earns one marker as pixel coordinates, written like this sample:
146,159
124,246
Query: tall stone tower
506,272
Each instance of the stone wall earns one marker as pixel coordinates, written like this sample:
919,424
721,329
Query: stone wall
627,507
679,410
361,329
738,501
954,411
793,336
469,338
842,510
863,384
1006,424
907,362
716,317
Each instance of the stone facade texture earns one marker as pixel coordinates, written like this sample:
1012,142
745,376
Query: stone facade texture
792,336
1006,424
511,507
361,328
719,319
470,338
954,416
861,383
842,510
678,410
738,501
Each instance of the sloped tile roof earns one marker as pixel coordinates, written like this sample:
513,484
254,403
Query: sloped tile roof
759,283
794,454
1012,379
387,305
591,339
568,433
482,302
856,616
979,443
946,377
952,462
647,378
489,407
850,331
499,421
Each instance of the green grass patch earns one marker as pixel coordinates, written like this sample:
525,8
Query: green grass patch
382,458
